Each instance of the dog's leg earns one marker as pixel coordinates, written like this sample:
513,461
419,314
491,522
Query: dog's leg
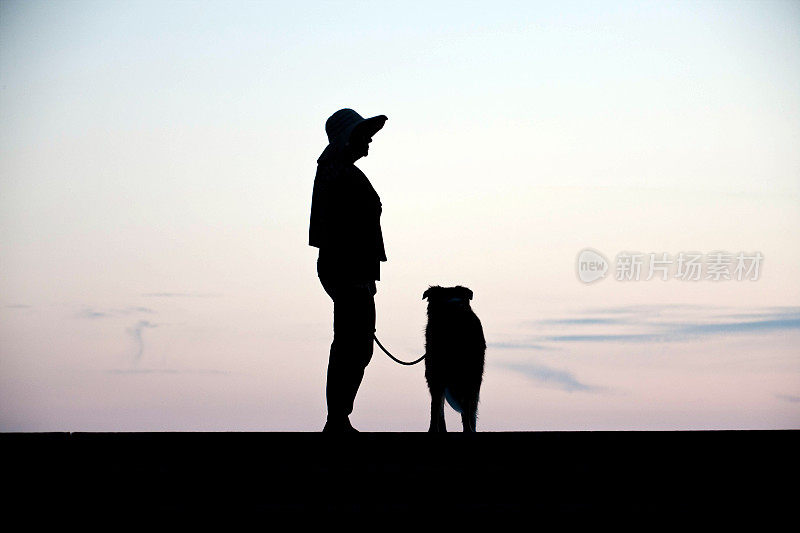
469,418
437,412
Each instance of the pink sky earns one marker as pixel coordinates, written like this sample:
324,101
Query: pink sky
157,163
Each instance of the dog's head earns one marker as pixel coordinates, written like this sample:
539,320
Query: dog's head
447,295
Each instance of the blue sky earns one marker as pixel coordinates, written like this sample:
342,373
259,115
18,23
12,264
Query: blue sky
156,165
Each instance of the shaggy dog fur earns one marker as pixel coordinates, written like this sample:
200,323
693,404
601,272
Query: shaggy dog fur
455,351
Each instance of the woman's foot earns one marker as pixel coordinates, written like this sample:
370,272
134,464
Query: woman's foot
338,425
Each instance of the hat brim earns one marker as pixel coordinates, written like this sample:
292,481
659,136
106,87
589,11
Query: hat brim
369,126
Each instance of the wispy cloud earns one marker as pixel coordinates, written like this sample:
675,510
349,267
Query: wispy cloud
769,312
657,324
136,333
670,332
640,325
92,313
788,398
631,337
646,309
561,379
580,321
751,326
139,309
518,346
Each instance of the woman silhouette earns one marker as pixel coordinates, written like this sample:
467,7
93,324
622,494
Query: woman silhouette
345,226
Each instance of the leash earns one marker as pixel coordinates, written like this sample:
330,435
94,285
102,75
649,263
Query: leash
393,358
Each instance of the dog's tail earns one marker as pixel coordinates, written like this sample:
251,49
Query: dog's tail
451,400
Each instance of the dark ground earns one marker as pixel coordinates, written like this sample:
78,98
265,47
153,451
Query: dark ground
611,475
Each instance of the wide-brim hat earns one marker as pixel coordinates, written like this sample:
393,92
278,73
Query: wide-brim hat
341,125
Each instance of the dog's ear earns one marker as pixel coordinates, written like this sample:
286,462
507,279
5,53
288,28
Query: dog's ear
429,291
465,291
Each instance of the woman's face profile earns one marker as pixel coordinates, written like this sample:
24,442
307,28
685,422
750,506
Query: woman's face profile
359,145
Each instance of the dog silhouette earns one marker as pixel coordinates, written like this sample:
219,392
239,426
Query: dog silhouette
455,352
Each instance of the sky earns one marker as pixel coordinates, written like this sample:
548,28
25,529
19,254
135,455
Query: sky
156,168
